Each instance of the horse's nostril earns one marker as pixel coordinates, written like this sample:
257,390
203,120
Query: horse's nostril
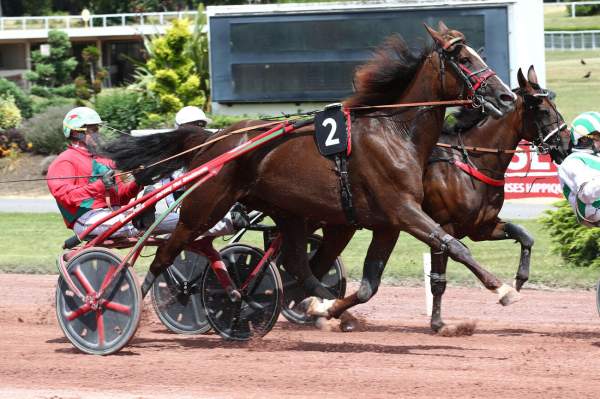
507,98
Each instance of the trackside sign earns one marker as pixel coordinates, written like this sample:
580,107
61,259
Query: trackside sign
531,175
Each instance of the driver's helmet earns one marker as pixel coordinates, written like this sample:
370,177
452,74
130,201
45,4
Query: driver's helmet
191,114
584,125
77,118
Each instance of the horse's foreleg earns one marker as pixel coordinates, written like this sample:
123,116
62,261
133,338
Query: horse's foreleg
294,258
505,231
379,251
422,227
437,277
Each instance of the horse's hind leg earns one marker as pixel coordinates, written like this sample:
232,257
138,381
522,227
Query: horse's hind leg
335,239
199,212
379,251
294,257
505,231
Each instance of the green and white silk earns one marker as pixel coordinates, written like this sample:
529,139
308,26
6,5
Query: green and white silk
579,176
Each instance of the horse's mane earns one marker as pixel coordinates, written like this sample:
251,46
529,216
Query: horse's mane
464,119
387,74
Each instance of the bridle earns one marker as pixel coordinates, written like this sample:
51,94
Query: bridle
473,80
543,132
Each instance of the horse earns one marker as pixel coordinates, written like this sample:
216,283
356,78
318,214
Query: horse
292,182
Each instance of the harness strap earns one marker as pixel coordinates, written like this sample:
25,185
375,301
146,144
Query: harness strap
472,171
341,166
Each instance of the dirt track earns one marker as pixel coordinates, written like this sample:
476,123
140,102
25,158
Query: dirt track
547,345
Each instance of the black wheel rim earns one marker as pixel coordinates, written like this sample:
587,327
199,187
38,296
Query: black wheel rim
294,293
177,297
259,308
108,328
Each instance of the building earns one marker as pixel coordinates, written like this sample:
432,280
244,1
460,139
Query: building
118,36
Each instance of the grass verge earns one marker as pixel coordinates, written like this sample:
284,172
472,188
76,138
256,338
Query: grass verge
564,75
29,243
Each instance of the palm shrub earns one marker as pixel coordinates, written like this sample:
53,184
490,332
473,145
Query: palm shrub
170,77
44,130
576,244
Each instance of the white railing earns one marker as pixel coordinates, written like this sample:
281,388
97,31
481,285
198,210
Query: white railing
573,5
95,21
572,40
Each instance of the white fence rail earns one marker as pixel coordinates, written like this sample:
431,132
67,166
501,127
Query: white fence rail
95,21
572,5
572,40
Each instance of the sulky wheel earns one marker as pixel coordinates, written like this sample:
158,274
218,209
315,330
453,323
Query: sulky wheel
176,295
293,293
104,326
257,312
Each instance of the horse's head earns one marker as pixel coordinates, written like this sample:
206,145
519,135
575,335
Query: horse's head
469,74
543,125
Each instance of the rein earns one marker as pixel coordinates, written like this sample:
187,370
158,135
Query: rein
482,149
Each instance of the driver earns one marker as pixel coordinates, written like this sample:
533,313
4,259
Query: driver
86,188
579,173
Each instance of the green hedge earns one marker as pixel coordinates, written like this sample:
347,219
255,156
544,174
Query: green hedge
120,108
576,244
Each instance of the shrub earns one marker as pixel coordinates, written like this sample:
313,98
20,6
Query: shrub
121,109
40,91
41,104
10,115
576,244
22,100
67,90
44,130
584,10
55,69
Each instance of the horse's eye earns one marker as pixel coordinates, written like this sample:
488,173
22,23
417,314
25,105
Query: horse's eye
464,60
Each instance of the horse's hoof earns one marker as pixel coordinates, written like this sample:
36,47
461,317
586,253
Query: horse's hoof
349,325
507,295
436,327
314,306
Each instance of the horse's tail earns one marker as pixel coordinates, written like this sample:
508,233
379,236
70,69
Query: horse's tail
130,153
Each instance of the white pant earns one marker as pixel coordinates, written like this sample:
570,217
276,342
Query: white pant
223,227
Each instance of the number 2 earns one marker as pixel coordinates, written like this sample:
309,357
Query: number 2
330,137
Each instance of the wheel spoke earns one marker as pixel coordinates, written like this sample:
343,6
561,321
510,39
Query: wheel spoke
198,310
79,312
84,281
100,327
117,307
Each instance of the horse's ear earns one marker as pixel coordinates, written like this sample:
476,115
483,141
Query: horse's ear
521,78
532,76
439,39
442,27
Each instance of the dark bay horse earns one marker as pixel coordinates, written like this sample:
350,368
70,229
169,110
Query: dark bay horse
291,181
467,207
